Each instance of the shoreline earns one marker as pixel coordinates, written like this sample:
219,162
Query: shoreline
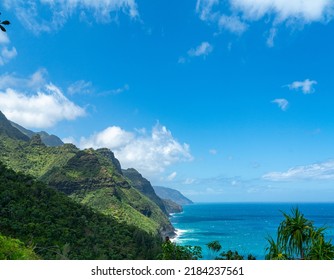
241,226
178,234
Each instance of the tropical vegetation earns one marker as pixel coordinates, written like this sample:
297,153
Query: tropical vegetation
53,226
89,180
298,238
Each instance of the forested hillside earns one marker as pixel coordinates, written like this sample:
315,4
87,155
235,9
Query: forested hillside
82,180
56,227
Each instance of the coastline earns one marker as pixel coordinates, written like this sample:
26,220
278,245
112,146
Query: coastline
241,227
178,234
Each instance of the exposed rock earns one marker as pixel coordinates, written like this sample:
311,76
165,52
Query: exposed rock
144,186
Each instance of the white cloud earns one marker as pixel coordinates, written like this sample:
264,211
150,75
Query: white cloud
317,171
7,55
271,37
306,11
204,8
31,15
33,83
84,87
305,86
34,103
80,87
282,103
236,15
120,90
4,38
148,153
189,181
112,137
172,176
202,50
232,24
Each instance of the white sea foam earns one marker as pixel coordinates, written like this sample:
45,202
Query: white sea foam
178,233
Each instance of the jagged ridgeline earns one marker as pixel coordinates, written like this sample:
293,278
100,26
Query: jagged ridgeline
91,178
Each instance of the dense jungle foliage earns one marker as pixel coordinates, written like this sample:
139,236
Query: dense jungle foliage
53,226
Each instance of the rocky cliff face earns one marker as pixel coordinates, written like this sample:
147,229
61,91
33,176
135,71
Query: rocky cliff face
144,186
172,207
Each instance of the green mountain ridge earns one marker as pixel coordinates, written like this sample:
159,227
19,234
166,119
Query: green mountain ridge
172,194
92,178
7,129
47,139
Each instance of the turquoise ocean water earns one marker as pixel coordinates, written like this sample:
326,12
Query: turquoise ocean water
242,226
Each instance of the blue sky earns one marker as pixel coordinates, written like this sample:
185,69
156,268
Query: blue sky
223,100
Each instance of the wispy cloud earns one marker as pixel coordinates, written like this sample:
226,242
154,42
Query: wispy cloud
317,171
6,54
282,10
282,103
306,86
172,176
80,87
208,11
87,88
271,37
35,103
116,91
277,12
31,16
32,84
202,50
204,8
148,153
4,38
232,24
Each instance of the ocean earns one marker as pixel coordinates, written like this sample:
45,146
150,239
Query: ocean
242,226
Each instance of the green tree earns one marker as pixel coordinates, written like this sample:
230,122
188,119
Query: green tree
298,238
215,247
275,250
2,23
295,233
320,248
173,251
14,249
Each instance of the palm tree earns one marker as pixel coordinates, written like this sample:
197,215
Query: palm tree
2,23
276,250
297,238
320,248
214,247
295,232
